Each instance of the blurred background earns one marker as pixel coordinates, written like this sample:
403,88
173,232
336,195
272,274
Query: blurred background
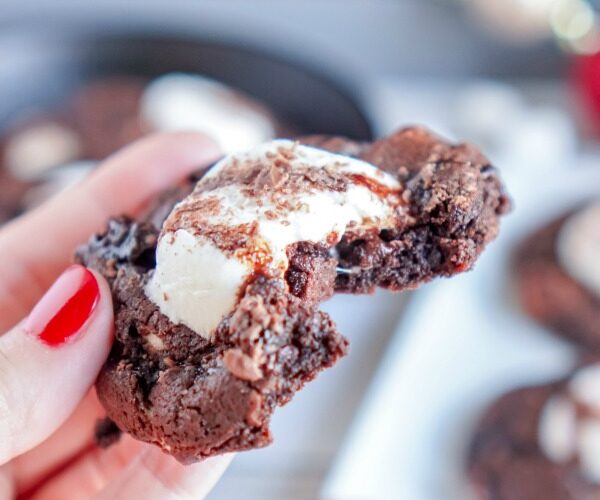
520,78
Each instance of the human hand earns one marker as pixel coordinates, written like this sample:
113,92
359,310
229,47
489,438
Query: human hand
50,360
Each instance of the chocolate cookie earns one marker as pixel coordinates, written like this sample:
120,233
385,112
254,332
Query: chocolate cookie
557,275
27,152
541,442
217,318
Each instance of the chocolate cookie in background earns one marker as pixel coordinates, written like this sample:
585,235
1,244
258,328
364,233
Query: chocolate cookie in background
541,442
557,269
39,144
47,152
116,111
217,309
108,114
27,152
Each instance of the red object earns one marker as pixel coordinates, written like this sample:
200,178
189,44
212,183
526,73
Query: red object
65,308
586,79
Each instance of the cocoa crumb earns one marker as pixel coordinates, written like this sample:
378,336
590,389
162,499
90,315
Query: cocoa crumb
241,365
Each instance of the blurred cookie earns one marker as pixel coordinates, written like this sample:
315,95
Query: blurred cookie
27,152
557,270
541,442
46,153
106,113
31,149
43,154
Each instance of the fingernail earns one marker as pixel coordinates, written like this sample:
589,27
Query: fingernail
65,307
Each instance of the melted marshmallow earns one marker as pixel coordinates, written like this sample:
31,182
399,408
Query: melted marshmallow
196,283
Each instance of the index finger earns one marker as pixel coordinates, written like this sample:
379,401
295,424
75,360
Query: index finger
38,246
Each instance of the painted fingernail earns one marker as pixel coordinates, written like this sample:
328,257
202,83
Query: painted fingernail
65,307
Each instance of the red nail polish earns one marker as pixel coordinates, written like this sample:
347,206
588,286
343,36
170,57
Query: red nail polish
65,307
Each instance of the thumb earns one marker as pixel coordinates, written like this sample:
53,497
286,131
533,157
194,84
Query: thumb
50,360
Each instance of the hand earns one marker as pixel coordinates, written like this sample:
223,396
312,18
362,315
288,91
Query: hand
50,360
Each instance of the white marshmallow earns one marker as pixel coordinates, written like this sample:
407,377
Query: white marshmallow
579,247
563,435
589,449
557,429
196,284
191,102
34,150
585,386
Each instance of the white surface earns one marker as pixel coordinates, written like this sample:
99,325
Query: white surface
196,283
527,125
464,342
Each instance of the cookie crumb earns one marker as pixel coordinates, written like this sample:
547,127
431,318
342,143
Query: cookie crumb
106,432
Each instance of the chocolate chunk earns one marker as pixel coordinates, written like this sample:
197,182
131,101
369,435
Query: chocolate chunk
106,433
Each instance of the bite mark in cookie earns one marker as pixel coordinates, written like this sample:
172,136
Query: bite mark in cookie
246,213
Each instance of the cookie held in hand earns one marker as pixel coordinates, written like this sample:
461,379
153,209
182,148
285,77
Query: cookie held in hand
216,291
